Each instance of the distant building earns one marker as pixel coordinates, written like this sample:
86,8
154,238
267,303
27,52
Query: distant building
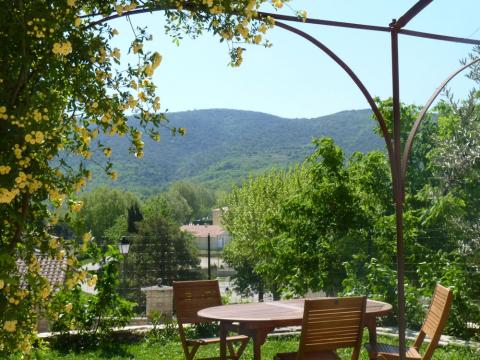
52,270
219,237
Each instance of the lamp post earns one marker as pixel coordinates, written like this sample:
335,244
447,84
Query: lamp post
124,247
209,258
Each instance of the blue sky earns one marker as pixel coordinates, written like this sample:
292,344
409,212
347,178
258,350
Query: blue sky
295,79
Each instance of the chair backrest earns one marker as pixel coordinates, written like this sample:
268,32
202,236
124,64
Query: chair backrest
191,296
436,319
332,323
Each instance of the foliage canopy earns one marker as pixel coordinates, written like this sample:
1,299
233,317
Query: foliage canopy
61,86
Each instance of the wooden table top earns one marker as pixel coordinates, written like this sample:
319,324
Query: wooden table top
275,311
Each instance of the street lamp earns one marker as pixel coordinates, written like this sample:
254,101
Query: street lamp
124,247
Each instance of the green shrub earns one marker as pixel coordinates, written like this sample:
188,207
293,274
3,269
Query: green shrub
93,316
379,282
164,328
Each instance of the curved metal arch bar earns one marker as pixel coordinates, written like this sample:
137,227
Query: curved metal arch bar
411,136
262,14
369,27
127,13
353,76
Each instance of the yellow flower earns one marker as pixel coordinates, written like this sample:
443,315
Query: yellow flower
257,39
242,30
6,196
71,3
2,284
70,261
44,292
70,283
25,346
76,206
137,135
142,96
139,154
55,196
92,281
82,275
68,307
4,169
114,175
60,255
137,47
53,243
37,116
78,22
303,15
62,48
39,137
149,70
278,4
119,9
80,184
10,325
156,60
132,102
107,152
87,237
22,293
227,35
116,53
156,103
87,154
251,4
132,6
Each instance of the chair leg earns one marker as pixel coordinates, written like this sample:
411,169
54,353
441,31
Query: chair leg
236,354
191,353
231,350
242,347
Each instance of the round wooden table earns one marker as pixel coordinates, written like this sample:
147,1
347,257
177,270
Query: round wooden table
258,319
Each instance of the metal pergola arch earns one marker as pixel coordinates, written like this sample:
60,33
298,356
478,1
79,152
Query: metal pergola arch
398,159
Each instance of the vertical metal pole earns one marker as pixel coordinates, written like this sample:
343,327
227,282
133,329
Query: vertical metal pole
124,275
399,190
209,258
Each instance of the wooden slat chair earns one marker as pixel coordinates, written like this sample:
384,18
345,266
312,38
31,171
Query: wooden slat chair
329,324
191,296
434,323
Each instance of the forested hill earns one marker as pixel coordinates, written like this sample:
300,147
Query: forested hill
223,146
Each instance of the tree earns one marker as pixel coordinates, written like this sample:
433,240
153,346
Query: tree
133,216
100,211
61,86
160,250
190,201
292,230
318,225
249,208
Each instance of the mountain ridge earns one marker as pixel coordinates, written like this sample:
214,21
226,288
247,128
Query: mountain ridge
222,146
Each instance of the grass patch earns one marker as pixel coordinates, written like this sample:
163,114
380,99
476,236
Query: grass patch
125,346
